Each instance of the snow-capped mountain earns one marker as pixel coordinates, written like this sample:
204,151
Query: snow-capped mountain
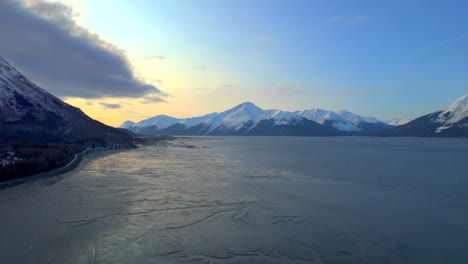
344,120
247,118
329,118
127,124
454,113
28,112
449,122
398,121
156,122
357,119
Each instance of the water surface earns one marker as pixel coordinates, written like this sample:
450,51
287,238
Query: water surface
248,200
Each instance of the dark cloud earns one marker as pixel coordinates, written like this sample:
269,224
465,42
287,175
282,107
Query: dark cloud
111,106
43,41
155,80
152,100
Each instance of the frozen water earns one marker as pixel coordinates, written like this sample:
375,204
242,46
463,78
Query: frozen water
248,200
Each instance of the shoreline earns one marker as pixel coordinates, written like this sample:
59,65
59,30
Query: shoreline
67,168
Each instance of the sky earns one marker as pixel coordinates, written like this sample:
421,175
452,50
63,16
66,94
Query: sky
130,60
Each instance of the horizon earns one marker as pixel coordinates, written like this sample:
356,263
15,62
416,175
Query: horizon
267,109
384,60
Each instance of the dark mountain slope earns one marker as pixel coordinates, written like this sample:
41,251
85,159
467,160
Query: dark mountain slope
450,122
30,114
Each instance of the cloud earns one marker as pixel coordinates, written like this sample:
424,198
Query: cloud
369,89
151,58
152,99
442,43
359,18
336,18
43,40
111,106
345,19
155,80
134,115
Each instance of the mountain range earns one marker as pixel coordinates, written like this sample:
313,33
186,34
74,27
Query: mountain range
30,114
248,119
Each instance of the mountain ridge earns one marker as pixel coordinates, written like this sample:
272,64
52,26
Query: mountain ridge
451,121
28,112
243,118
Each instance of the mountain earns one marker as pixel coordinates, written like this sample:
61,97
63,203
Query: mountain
127,124
398,121
249,119
344,121
29,114
364,124
328,118
449,122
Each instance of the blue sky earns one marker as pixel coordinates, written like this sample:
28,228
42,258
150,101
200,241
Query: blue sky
379,58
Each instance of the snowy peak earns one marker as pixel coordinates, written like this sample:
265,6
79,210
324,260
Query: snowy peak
20,97
328,117
160,121
246,116
449,122
193,121
342,120
283,117
244,112
127,124
238,117
28,112
357,119
318,115
455,112
246,106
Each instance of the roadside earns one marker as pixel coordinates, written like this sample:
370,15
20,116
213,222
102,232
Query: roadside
69,167
143,140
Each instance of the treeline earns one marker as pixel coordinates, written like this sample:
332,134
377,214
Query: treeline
37,158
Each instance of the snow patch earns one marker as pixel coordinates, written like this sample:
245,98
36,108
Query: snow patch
398,121
455,112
